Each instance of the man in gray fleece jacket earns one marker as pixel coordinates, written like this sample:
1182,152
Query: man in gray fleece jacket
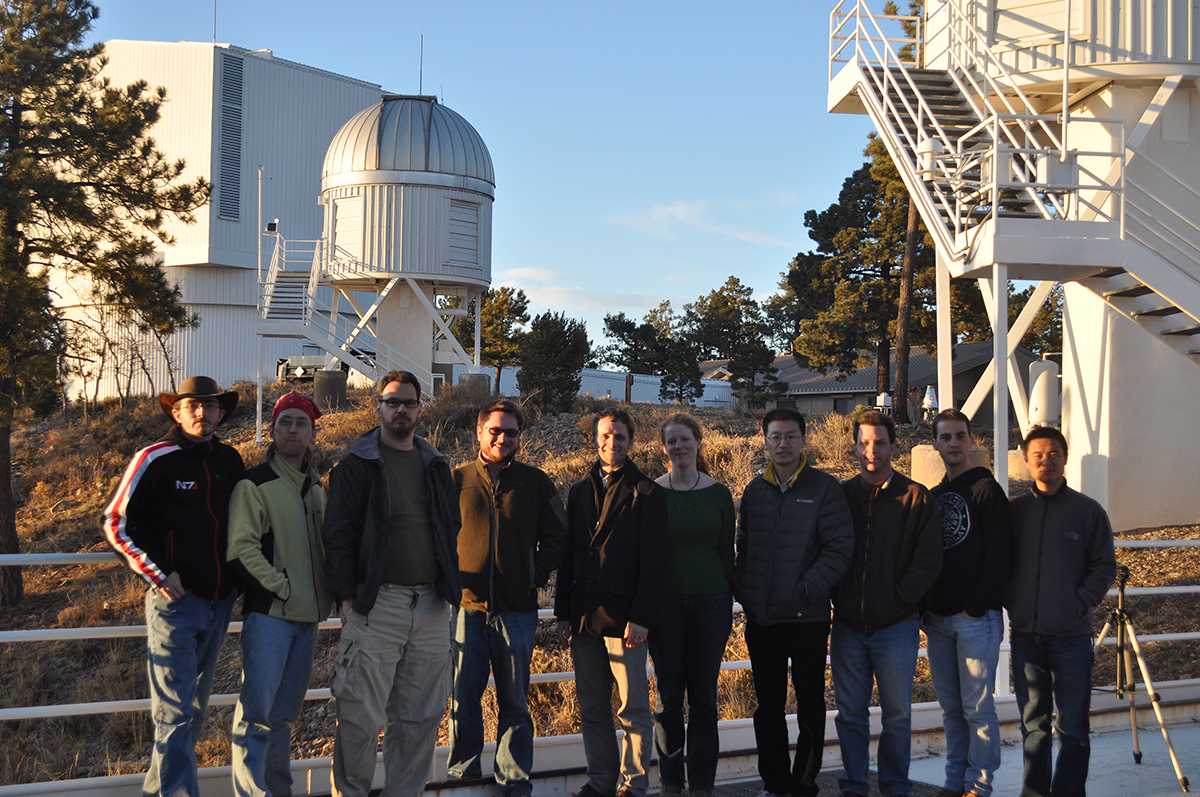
1063,564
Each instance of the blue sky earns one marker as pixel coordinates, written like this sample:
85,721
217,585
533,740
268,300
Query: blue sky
643,151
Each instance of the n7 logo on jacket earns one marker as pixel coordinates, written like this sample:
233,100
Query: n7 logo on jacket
182,485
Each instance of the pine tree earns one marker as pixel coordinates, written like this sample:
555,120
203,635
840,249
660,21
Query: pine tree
83,189
505,311
553,353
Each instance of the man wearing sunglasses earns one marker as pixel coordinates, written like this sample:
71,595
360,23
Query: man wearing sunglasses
392,562
513,536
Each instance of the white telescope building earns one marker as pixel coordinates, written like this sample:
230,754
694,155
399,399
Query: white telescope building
381,213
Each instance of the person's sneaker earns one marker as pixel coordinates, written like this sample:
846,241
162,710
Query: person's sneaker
700,793
588,791
671,790
852,794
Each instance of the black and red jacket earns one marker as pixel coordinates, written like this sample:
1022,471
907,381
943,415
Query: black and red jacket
170,513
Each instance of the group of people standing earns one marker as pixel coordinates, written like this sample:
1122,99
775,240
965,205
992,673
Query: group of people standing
435,572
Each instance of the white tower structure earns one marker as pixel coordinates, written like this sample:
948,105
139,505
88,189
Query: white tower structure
1058,141
406,188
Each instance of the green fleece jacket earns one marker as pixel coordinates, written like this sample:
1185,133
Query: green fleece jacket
275,520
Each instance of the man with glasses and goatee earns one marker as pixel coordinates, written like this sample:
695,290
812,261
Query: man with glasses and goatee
391,531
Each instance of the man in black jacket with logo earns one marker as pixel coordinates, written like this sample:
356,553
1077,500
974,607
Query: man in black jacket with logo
962,612
606,599
168,519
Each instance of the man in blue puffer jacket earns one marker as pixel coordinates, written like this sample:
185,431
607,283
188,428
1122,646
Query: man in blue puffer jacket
794,540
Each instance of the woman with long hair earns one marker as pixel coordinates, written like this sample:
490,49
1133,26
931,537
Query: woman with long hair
695,611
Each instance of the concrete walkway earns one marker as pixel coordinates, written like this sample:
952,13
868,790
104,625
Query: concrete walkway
1113,772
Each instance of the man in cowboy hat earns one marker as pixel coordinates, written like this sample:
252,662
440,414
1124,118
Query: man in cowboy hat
168,520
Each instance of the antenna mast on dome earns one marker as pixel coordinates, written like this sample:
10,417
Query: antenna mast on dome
421,66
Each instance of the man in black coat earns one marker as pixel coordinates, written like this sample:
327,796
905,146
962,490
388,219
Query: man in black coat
606,599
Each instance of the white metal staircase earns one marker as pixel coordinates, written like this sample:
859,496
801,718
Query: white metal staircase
991,176
290,307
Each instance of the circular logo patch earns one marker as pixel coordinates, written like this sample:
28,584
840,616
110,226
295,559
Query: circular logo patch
956,520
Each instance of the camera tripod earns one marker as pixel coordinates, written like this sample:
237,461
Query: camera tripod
1127,648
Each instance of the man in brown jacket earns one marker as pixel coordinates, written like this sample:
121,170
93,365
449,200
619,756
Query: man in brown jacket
897,557
513,533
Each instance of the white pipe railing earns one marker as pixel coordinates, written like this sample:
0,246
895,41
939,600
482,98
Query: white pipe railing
132,631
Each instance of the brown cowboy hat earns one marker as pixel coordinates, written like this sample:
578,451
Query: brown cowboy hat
199,387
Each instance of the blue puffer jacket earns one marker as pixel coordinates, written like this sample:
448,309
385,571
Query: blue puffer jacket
792,547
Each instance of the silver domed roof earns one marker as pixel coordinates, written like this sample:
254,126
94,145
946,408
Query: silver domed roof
408,134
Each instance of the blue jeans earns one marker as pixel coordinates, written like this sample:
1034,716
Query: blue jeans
502,643
889,657
277,660
687,645
183,638
771,647
963,654
1053,674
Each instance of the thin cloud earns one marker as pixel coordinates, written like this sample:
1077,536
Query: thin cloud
523,274
676,219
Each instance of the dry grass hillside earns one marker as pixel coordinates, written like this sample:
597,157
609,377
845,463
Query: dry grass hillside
66,467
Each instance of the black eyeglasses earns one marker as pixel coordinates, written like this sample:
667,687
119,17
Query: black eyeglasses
395,403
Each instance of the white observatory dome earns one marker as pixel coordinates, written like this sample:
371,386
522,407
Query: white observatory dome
411,140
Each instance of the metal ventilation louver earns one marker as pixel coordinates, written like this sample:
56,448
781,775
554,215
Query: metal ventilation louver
229,181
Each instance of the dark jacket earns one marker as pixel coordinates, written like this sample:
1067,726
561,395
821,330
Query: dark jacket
792,547
1063,563
170,512
513,533
976,545
358,518
615,554
275,522
897,553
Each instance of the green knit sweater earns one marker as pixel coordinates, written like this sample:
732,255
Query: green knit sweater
700,528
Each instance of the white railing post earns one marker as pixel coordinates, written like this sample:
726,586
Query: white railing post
1066,86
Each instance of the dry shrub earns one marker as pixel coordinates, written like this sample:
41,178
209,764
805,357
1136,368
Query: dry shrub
831,443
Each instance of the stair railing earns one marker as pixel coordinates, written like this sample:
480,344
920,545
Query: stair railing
266,289
1171,223
959,175
852,24
314,280
374,356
